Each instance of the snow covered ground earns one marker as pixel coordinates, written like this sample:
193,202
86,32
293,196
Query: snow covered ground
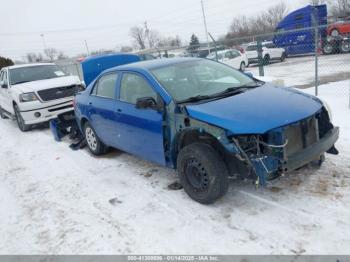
58,201
300,71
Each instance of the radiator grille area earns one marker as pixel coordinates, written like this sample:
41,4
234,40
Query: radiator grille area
58,93
301,135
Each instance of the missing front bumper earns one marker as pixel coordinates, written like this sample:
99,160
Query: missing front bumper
312,152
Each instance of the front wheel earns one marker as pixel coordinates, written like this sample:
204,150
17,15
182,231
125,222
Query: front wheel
266,60
328,49
202,173
20,121
95,145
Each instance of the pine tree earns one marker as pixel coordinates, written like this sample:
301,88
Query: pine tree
194,43
5,62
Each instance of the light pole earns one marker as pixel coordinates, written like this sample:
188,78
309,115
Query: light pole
205,25
44,43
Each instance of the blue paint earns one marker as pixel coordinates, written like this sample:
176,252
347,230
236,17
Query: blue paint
142,132
256,111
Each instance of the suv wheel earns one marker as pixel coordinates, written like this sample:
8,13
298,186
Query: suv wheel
202,173
94,143
266,60
20,121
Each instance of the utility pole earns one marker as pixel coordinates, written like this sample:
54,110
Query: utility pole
205,26
87,48
44,42
147,34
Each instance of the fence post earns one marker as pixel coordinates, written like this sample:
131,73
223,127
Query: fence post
260,57
315,22
215,46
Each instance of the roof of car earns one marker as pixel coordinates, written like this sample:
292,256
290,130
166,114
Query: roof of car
156,63
28,65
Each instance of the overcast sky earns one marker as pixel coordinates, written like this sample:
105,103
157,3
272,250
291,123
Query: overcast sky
105,24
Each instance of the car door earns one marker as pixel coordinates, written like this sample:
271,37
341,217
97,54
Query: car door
236,59
5,95
102,108
140,130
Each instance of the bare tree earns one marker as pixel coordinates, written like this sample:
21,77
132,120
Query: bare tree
262,23
61,55
33,57
317,2
51,53
139,37
339,8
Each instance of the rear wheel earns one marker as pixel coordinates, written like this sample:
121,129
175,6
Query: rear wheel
20,121
202,173
345,47
266,60
242,67
94,143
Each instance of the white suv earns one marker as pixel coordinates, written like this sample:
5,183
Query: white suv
36,93
270,52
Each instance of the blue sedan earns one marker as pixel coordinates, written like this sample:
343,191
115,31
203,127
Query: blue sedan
205,119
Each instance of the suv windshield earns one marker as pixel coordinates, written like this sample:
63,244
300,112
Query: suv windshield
196,78
34,73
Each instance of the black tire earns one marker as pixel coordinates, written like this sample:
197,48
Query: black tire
94,144
2,115
266,60
242,67
328,49
283,57
345,47
20,121
202,173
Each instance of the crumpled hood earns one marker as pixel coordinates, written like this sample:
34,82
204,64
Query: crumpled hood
257,110
47,83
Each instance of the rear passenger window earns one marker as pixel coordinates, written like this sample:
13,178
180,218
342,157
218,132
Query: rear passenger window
106,86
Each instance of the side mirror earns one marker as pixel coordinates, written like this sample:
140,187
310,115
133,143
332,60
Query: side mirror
3,84
146,103
249,74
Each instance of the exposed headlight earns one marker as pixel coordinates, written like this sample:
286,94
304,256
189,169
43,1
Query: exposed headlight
80,88
328,108
28,97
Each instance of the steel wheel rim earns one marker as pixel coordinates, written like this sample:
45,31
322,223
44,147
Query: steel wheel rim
328,49
91,138
196,175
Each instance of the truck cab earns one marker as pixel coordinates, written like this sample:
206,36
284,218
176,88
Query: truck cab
295,32
36,93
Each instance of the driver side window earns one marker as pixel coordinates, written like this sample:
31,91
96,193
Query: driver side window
133,87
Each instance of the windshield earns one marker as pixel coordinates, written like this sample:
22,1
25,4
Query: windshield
252,48
199,78
34,73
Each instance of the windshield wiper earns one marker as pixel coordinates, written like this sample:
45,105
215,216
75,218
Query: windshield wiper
195,99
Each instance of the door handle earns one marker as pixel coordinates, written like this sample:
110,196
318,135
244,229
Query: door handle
119,110
90,103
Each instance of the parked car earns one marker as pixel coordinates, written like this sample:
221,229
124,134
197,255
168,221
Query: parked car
269,53
205,119
36,93
231,57
339,28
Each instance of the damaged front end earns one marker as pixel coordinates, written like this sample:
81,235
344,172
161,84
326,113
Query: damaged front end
287,148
